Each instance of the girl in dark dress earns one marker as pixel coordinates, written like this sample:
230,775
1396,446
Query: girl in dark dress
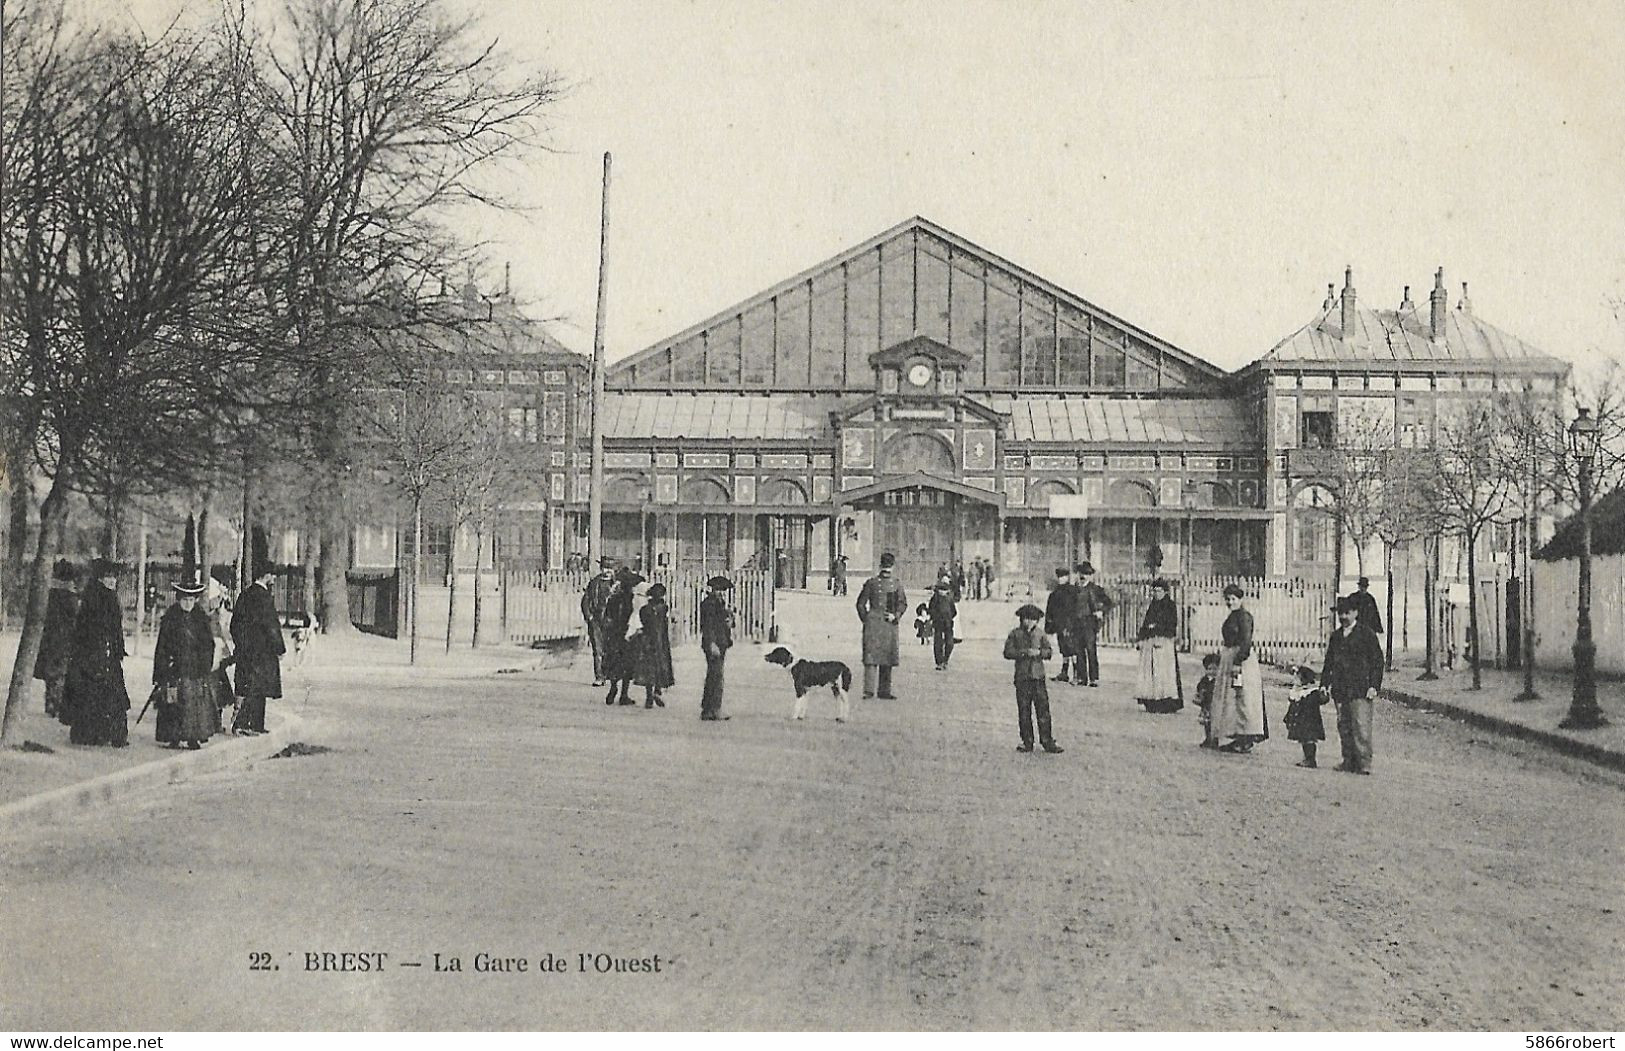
654,647
1303,722
183,662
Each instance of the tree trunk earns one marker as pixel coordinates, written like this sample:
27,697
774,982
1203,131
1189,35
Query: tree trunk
1388,583
335,593
1472,610
311,543
1429,582
52,512
479,546
18,481
451,571
417,575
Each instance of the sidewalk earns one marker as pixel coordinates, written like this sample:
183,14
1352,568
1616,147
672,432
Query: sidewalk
27,776
1493,708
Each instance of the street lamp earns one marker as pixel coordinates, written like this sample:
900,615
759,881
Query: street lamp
1584,436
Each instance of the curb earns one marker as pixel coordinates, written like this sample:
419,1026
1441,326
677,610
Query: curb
1567,745
118,787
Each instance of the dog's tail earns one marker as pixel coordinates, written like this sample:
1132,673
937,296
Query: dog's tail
846,679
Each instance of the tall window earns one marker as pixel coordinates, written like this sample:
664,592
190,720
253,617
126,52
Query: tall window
1316,430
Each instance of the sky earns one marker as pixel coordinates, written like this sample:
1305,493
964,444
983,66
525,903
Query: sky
1202,170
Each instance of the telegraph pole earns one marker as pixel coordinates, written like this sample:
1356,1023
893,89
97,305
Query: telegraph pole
595,493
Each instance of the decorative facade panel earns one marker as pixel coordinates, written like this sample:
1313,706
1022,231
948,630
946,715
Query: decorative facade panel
709,461
745,489
613,460
1047,462
1015,491
665,488
979,449
823,489
982,482
1133,463
784,461
856,481
858,448
1170,493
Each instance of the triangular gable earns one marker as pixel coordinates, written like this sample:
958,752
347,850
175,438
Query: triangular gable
686,358
856,410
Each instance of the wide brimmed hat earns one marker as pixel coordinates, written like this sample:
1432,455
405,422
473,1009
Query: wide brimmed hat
719,584
1086,569
183,587
1030,612
1346,604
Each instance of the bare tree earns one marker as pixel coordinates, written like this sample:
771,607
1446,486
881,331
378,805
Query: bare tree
386,112
1403,516
126,297
1472,492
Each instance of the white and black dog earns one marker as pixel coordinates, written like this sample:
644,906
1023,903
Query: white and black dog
809,675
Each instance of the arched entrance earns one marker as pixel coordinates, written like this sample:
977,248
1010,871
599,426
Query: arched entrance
927,522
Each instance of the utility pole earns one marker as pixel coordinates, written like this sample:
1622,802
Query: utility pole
595,492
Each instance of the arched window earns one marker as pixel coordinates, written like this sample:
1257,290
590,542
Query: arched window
1314,532
703,491
783,491
1039,495
1126,493
929,453
626,491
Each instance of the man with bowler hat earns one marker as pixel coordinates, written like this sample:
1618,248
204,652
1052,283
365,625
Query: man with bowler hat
881,604
1093,605
716,637
1352,674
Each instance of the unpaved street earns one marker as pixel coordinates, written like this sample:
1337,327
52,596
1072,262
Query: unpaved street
906,870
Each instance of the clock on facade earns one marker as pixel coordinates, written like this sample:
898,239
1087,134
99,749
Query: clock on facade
920,374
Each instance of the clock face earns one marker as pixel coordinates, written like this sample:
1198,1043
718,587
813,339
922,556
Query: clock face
920,374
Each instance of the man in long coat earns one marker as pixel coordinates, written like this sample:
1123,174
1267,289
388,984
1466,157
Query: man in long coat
716,638
1365,606
881,605
61,610
256,634
1093,605
1061,620
593,601
95,700
1352,674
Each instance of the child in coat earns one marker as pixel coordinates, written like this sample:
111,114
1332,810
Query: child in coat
1303,722
1029,648
922,623
1204,697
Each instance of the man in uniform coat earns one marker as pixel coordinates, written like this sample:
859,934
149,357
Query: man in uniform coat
1352,674
1061,620
881,605
593,601
256,635
716,637
1365,605
1093,605
95,700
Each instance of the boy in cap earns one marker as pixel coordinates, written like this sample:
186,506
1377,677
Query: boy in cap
1029,648
716,636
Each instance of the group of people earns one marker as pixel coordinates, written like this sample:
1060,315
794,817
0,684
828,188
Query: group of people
629,628
200,637
1075,613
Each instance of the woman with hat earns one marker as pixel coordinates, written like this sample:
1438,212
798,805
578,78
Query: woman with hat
1238,686
94,698
881,604
183,665
1158,689
619,661
654,647
51,666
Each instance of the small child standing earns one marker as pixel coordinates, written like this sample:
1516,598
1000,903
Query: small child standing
922,623
1029,647
1204,697
1303,722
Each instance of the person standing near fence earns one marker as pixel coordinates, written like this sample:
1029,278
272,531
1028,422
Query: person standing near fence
881,605
619,663
1061,620
654,647
1158,689
95,700
51,666
1238,686
593,601
1092,607
1352,674
716,638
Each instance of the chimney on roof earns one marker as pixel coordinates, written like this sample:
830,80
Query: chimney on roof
1348,303
1331,298
1440,300
1466,305
1405,304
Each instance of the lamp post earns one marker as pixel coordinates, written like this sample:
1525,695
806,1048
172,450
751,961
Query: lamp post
1584,714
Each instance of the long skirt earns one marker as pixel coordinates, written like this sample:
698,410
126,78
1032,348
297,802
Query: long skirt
95,704
193,715
1158,687
1238,711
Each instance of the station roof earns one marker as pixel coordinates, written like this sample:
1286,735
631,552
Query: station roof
1405,337
767,417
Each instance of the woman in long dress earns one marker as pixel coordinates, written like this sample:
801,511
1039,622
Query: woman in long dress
1158,688
183,662
619,658
95,701
1238,690
654,647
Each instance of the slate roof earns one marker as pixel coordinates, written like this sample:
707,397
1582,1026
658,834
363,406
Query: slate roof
1392,336
781,417
1116,421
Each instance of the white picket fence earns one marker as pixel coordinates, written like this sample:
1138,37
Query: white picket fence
546,605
